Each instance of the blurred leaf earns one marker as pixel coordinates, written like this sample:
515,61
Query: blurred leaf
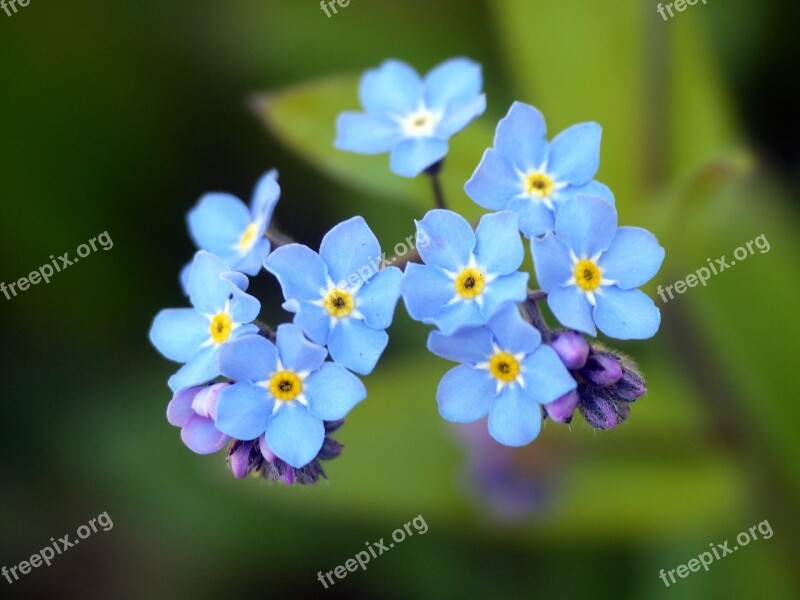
304,118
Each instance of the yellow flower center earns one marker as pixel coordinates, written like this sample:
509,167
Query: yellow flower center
285,386
504,367
470,283
420,124
587,275
248,237
339,303
538,184
220,327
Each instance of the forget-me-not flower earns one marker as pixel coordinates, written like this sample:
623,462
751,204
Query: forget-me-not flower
339,297
284,391
590,270
223,225
526,174
506,373
410,117
467,274
222,311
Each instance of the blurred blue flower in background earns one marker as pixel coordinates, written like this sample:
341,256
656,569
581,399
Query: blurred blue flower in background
467,274
590,270
410,117
284,391
526,174
506,373
340,297
221,313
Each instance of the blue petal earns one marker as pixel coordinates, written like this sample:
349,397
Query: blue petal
394,88
366,134
469,345
184,277
314,320
217,223
551,261
465,394
593,188
626,314
201,369
377,299
332,392
201,436
348,248
179,409
587,225
452,317
513,333
450,240
252,262
207,290
495,182
356,346
498,247
575,153
459,115
295,435
178,333
296,352
243,411
240,280
265,196
546,378
535,218
412,156
572,308
244,308
515,418
520,137
633,258
425,290
249,358
507,288
300,271
455,80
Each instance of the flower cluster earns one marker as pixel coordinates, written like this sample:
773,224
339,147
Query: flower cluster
273,395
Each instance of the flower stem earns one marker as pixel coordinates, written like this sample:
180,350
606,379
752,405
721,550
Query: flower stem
534,315
438,193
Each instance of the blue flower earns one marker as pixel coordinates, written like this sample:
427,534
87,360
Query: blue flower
284,391
590,271
526,174
467,275
339,297
506,373
223,225
194,410
410,117
221,312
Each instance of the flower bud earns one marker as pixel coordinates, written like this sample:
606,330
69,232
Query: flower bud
240,459
631,386
602,368
601,409
571,348
562,409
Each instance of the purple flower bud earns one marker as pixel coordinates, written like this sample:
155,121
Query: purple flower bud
205,402
601,409
571,348
602,368
631,386
240,459
562,409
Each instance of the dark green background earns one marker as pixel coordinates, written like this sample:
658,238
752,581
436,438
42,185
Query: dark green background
118,116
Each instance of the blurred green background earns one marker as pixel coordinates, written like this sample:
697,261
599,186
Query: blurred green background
117,116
